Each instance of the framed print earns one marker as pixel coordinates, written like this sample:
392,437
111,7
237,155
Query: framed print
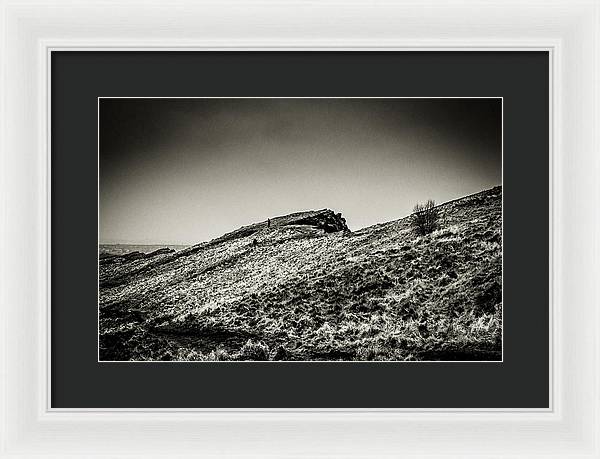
328,271
325,231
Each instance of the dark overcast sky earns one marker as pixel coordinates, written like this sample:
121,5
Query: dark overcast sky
189,170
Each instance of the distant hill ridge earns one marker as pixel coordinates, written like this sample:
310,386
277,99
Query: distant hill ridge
324,219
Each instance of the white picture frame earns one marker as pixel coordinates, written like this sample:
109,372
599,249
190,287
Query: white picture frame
568,29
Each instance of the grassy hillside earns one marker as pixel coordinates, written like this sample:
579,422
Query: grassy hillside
303,287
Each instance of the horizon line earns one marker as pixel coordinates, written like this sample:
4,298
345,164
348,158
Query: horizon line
188,244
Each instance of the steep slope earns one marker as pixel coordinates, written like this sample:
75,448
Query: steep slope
303,287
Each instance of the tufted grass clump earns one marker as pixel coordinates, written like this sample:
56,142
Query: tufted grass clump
254,351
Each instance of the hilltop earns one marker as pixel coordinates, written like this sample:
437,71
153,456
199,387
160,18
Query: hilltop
304,287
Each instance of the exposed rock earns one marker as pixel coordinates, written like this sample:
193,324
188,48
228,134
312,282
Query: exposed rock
325,219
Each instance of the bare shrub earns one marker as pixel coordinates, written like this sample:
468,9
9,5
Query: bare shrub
425,218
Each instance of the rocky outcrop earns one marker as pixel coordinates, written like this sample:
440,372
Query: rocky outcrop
325,219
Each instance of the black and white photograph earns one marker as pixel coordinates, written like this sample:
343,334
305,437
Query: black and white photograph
300,229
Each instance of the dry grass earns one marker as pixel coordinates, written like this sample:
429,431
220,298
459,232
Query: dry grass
299,293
